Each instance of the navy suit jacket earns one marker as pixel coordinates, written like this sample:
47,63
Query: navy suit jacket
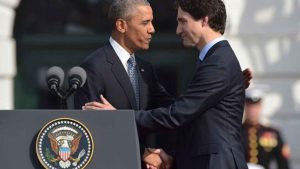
106,75
208,116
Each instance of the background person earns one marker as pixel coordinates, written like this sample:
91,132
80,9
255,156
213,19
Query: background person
262,143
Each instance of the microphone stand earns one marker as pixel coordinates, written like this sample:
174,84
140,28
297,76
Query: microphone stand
63,96
63,102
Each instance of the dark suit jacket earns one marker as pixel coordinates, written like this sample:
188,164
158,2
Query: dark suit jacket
208,116
106,75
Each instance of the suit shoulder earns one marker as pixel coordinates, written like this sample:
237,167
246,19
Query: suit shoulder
144,63
96,55
224,49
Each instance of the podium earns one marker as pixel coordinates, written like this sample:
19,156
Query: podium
114,135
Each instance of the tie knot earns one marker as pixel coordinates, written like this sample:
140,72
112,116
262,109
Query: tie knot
131,61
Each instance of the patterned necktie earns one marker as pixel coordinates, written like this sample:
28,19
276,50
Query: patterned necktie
132,73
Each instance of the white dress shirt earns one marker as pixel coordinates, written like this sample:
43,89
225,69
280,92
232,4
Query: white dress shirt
121,52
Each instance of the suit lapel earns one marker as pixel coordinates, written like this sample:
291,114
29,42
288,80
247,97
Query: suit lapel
120,74
143,85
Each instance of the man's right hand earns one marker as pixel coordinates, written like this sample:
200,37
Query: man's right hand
247,73
167,160
152,160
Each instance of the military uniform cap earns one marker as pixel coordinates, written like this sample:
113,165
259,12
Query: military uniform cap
254,95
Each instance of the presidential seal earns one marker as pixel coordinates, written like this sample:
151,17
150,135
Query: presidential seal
64,144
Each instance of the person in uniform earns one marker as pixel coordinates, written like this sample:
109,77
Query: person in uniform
263,144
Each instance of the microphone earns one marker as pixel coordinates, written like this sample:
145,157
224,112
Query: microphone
77,78
55,78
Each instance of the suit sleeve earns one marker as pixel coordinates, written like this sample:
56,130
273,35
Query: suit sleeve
209,85
90,91
160,97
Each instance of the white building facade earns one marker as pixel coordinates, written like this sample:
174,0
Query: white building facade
7,53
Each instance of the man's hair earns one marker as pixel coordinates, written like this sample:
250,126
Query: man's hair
121,9
214,9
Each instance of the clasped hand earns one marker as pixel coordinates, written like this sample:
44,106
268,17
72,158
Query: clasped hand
157,159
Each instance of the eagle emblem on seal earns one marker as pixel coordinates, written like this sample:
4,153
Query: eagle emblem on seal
64,144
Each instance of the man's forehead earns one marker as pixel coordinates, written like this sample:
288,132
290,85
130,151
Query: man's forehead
141,13
182,14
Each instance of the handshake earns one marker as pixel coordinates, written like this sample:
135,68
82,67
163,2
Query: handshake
157,159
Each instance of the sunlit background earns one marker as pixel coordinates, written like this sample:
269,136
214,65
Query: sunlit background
38,34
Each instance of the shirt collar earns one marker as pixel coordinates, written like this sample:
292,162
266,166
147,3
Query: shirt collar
206,48
121,52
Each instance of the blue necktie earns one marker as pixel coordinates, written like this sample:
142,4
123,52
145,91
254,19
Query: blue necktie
132,73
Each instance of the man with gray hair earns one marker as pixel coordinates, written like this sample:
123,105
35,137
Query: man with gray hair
108,68
115,72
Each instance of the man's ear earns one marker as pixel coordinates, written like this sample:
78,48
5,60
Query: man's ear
121,25
205,21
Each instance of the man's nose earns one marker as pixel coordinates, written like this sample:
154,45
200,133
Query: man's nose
151,29
178,30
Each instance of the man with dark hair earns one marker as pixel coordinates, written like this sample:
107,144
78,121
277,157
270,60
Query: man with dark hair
208,116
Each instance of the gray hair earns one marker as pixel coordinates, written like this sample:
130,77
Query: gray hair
121,9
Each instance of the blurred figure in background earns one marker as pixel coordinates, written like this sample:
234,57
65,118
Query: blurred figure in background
263,144
254,166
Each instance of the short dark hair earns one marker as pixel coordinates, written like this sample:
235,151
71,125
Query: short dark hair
214,9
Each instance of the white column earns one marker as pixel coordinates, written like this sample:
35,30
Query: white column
7,53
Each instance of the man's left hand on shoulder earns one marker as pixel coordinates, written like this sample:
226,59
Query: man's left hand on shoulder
105,105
